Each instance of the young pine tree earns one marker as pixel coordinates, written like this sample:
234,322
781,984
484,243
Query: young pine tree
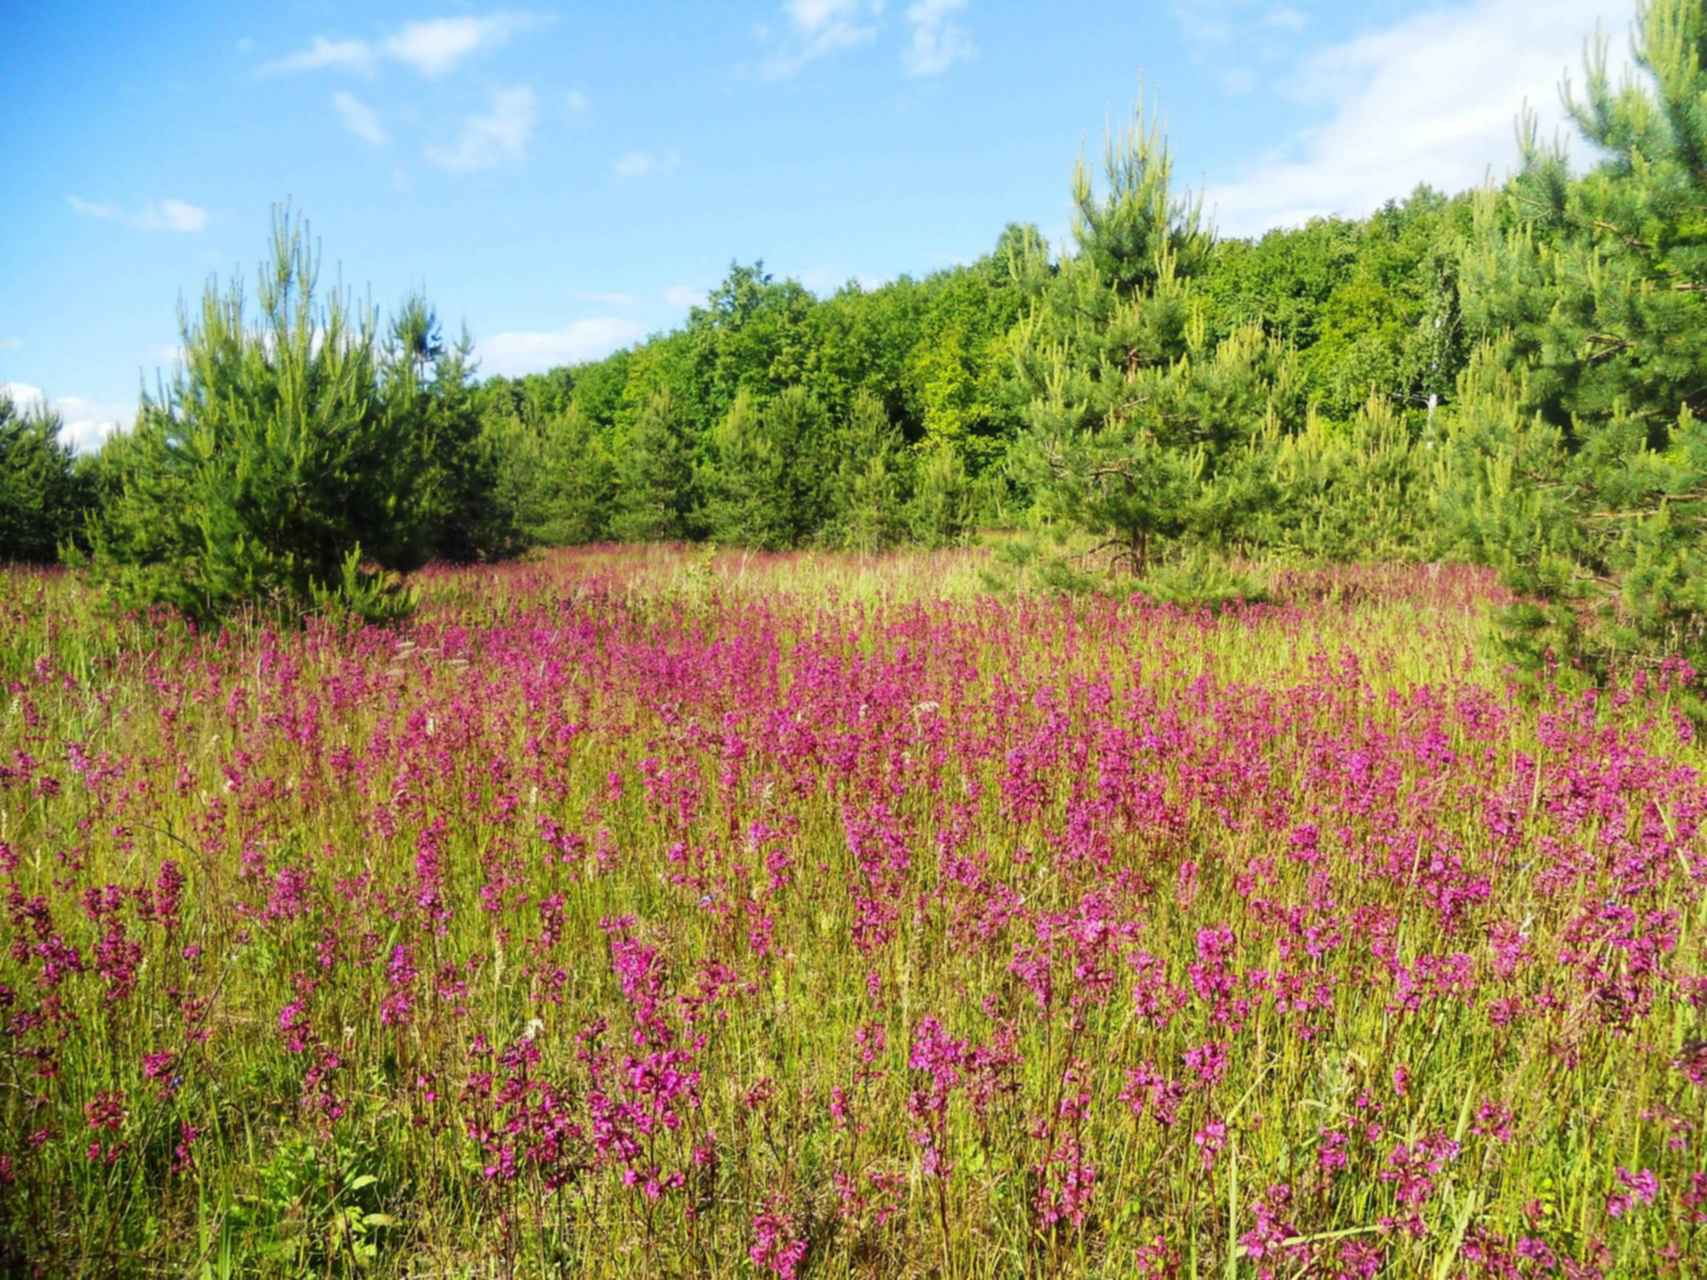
1094,354
43,491
250,480
654,473
558,476
941,510
870,485
765,485
460,513
1577,456
744,483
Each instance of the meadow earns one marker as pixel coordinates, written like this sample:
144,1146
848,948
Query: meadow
643,912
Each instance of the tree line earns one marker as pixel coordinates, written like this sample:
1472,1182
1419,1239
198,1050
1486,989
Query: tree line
1511,376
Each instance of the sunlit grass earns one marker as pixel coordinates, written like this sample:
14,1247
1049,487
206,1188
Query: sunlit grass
666,911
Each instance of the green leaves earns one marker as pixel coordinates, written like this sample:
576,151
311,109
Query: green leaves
655,494
43,489
291,438
1582,474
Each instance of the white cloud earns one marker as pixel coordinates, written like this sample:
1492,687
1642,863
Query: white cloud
436,46
156,215
174,215
593,338
937,41
816,29
493,137
92,209
1210,22
346,55
606,299
685,296
360,119
1430,99
84,423
641,164
431,47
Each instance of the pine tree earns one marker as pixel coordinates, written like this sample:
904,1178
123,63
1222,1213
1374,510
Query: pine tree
252,477
870,488
765,485
1345,491
565,482
940,511
1577,455
655,492
458,513
43,491
1135,422
746,499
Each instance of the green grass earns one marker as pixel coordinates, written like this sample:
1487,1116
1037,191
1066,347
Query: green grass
687,739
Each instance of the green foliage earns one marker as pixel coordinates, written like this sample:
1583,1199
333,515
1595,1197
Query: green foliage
871,481
279,454
1137,231
459,515
654,471
1137,426
556,474
313,1207
941,510
1201,580
1577,460
43,489
1349,491
762,486
962,364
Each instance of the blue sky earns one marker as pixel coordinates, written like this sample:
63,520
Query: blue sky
567,178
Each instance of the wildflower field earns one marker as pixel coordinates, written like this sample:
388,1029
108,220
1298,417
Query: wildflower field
633,913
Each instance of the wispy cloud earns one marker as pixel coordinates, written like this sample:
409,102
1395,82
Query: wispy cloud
156,215
84,423
684,296
323,54
1206,23
431,47
174,215
10,344
435,47
641,164
360,119
91,208
493,137
936,41
606,299
815,29
1431,99
576,103
525,351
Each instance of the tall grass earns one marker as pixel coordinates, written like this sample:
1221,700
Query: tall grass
656,913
